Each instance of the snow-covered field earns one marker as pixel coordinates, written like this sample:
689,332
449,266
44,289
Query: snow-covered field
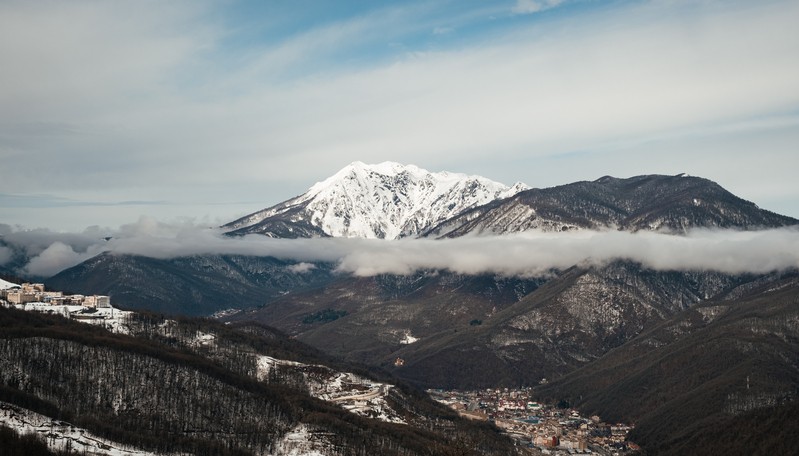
59,435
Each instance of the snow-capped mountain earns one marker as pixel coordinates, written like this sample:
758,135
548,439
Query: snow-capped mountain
384,201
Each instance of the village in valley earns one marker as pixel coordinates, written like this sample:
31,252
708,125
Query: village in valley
544,429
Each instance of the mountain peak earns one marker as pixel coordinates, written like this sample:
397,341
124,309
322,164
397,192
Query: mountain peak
387,200
361,170
388,168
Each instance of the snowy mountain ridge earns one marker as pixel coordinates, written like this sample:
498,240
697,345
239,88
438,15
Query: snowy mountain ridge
382,201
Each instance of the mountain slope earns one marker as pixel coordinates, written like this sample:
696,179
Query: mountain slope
198,285
724,366
383,201
371,319
479,332
152,389
651,202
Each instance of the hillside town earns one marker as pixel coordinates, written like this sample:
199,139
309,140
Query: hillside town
29,293
545,429
95,309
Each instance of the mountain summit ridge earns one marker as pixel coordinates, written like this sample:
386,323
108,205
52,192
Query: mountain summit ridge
387,200
390,200
653,202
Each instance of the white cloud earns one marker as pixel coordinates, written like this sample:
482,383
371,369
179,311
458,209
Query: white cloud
302,268
57,257
524,254
5,255
532,254
534,6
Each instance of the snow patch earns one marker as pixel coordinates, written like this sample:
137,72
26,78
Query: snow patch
408,338
352,392
111,318
712,312
203,340
267,364
225,313
6,285
60,436
302,441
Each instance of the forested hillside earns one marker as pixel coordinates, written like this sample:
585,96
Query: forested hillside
196,386
719,378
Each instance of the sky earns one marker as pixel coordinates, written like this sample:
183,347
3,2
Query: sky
208,110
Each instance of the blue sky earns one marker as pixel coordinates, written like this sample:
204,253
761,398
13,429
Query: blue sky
213,109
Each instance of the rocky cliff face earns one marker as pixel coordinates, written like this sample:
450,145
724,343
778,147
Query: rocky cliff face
571,320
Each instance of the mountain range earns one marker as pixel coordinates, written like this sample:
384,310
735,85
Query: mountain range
588,335
392,201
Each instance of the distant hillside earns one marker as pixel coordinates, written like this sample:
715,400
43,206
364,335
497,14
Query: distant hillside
371,319
571,320
720,378
198,285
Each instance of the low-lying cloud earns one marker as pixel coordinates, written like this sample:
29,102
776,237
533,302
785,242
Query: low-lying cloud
522,254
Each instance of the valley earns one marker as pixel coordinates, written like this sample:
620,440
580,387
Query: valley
556,429
678,353
399,228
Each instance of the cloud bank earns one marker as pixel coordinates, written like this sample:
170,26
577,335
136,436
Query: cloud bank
523,254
